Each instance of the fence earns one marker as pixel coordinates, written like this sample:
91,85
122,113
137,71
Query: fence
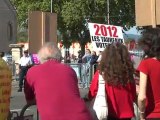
138,53
84,73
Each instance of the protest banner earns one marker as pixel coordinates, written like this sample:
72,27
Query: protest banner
5,89
102,35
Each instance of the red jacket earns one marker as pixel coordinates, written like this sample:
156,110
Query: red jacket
120,99
55,88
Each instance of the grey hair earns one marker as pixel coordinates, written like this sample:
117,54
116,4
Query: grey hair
49,51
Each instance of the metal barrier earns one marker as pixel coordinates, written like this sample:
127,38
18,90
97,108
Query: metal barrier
139,53
84,73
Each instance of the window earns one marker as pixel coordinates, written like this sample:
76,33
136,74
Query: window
10,31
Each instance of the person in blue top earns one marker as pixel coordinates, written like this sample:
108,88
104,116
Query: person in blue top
86,67
87,56
94,58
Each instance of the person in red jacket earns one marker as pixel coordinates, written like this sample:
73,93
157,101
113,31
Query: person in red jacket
149,68
117,70
54,86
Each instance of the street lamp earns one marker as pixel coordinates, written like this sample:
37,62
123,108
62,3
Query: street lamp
51,6
108,11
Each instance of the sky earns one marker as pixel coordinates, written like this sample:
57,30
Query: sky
133,30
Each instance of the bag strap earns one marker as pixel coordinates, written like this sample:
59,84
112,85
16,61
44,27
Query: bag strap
101,86
101,80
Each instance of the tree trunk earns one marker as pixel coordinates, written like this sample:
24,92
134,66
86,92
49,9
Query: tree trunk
82,48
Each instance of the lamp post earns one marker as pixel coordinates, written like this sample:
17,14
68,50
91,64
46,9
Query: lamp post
108,12
51,6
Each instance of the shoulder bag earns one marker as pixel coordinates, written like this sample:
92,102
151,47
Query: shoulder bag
100,104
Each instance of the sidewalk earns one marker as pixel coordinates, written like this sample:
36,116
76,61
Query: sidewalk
14,83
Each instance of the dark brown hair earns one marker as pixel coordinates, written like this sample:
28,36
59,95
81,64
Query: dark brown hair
116,65
150,42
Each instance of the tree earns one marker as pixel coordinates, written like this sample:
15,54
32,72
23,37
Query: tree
73,15
77,13
24,6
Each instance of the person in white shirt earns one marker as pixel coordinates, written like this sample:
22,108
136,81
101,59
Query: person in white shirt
24,64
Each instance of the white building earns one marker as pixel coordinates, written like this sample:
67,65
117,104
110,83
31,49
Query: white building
8,25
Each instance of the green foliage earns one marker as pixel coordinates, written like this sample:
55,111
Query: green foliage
24,6
22,36
73,15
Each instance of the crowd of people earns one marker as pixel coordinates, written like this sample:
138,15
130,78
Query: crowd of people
88,57
53,85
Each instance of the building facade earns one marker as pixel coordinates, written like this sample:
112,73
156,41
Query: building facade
8,25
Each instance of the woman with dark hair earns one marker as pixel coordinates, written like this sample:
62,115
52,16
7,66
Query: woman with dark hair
117,70
149,68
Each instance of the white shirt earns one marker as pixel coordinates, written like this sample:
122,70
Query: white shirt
25,61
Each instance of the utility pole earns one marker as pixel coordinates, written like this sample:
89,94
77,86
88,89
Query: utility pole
108,12
51,6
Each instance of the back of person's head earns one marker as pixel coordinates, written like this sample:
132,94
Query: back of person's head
88,51
2,54
150,42
94,53
49,51
116,65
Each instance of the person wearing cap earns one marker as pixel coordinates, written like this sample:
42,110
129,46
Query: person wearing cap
24,64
